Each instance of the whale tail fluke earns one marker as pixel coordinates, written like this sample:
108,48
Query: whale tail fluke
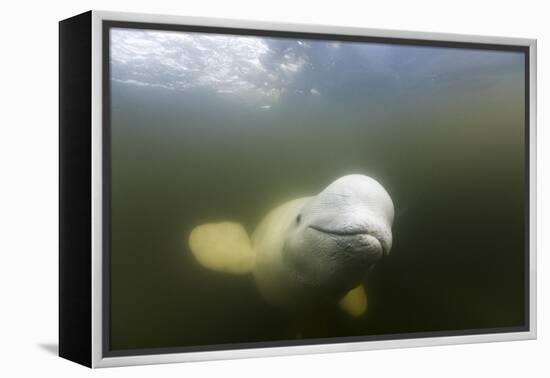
223,247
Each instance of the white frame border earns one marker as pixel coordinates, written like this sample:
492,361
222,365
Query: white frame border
97,358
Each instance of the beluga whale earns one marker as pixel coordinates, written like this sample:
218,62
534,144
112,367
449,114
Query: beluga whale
308,252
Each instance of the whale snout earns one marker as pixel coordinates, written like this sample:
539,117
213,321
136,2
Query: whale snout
356,241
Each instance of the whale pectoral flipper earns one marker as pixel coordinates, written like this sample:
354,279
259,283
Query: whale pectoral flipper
354,302
223,247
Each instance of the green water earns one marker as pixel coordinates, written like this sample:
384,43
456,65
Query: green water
451,157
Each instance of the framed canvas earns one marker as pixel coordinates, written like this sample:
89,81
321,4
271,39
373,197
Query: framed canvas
235,189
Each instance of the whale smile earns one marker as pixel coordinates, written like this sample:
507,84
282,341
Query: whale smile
354,238
351,232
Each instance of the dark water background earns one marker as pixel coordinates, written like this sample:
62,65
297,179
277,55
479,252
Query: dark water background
450,154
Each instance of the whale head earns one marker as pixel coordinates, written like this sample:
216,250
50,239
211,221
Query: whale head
338,235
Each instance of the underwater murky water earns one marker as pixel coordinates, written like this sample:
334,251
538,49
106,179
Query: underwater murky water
446,140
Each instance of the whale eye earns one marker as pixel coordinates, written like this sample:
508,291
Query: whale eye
298,218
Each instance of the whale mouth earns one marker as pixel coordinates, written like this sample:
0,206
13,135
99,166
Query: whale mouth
353,233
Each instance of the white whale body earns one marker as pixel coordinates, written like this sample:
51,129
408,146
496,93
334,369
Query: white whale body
308,252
